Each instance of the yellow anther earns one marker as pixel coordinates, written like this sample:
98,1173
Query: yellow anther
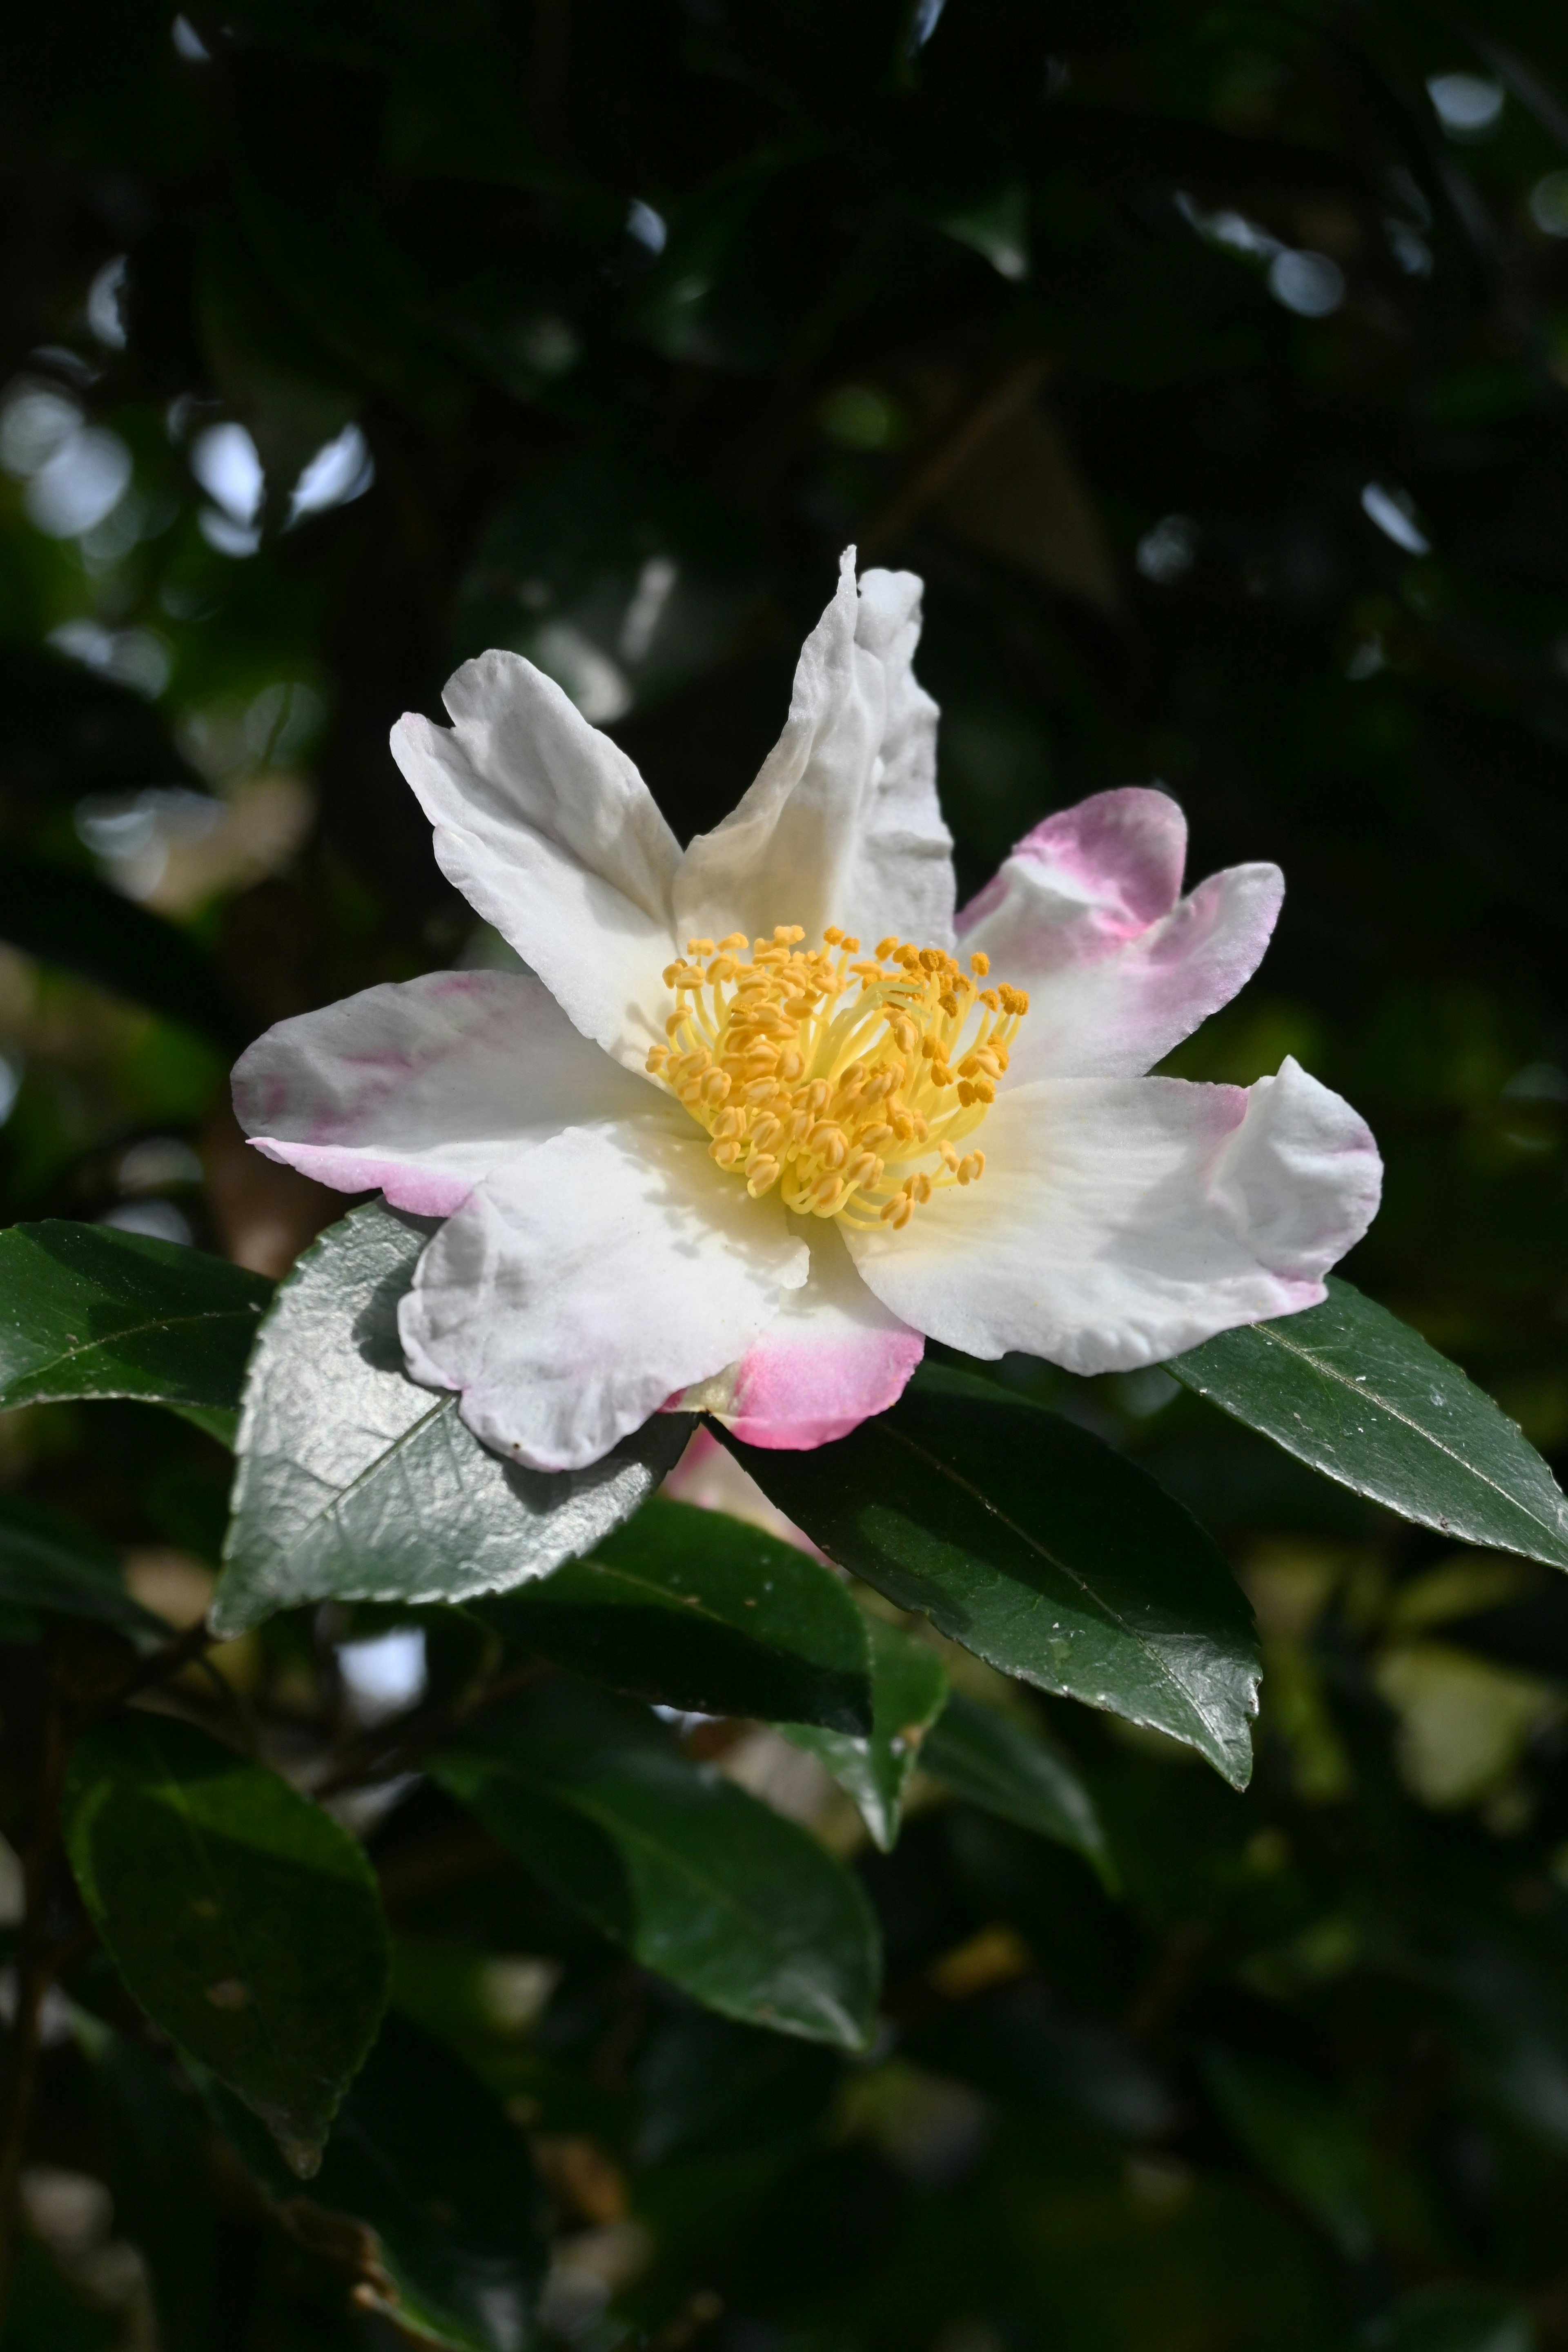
980,963
848,1087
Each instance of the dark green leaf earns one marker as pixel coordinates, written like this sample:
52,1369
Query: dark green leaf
1035,1545
700,1882
241,1917
71,919
355,1483
908,1690
422,2157
88,1311
1357,1393
154,2136
50,1561
988,1760
1300,2138
696,1610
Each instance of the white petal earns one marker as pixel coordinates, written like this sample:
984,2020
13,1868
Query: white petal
831,1358
1085,916
1120,1222
580,1287
550,833
422,1086
842,824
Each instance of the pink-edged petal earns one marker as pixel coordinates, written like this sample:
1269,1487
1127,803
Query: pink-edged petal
580,1286
1111,866
709,1476
550,833
421,1087
842,824
831,1358
1085,914
1122,1221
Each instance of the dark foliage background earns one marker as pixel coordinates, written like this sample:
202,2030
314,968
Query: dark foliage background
1211,365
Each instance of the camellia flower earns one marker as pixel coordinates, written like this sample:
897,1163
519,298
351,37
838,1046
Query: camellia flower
761,1117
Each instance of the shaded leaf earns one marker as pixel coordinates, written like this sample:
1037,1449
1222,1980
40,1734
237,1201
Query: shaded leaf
1035,1545
242,1918
699,1610
908,1687
1350,1389
426,2191
992,1761
700,1882
67,917
354,1483
1454,2317
50,1561
88,1311
1300,2138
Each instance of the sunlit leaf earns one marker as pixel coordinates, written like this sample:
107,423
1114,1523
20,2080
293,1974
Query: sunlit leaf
88,1311
1352,1389
1035,1545
354,1483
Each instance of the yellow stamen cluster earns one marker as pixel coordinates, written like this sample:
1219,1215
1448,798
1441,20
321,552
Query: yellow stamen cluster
848,1082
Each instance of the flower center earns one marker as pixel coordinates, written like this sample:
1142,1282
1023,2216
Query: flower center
850,1085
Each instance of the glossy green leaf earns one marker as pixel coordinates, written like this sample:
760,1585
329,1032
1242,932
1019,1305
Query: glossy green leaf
908,1687
242,1918
88,1311
701,1884
993,1761
695,1610
354,1483
1040,1548
1350,1389
50,1561
423,2158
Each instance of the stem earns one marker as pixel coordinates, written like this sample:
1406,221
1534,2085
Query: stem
36,1965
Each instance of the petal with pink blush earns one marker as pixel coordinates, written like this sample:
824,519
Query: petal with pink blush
580,1286
843,825
1110,867
546,827
831,1358
420,1088
1118,968
1119,1221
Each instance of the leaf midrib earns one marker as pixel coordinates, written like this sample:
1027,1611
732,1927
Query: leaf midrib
1034,1543
1363,1392
115,1338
